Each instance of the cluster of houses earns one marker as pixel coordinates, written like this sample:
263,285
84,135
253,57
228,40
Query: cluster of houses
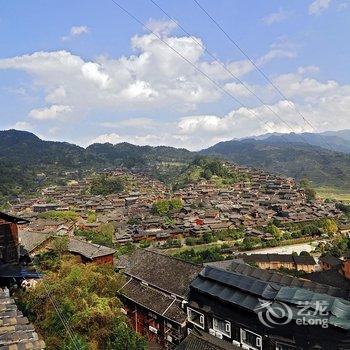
179,305
183,306
250,203
209,207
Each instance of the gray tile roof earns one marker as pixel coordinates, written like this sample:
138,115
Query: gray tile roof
285,280
16,333
164,272
31,240
199,340
154,300
87,249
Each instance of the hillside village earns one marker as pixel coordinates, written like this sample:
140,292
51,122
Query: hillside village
147,233
250,204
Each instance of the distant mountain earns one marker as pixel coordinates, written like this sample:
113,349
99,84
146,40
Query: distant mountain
333,140
25,148
23,155
295,159
130,155
344,134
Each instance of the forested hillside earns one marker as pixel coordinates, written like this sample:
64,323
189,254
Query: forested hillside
24,156
298,160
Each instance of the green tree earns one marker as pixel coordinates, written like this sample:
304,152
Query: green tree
330,227
91,217
60,245
105,185
163,207
275,231
59,215
85,295
310,193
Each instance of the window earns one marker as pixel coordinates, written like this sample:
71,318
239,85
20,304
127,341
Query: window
282,346
222,326
195,317
251,339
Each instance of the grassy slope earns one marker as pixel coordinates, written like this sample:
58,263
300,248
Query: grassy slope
333,193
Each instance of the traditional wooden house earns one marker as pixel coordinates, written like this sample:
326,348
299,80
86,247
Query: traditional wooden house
9,241
155,290
90,252
233,307
276,261
329,262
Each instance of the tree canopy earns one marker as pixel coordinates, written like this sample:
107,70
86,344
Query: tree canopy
105,185
85,296
165,206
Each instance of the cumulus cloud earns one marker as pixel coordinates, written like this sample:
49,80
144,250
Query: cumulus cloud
55,112
161,27
22,125
76,31
317,100
318,6
153,77
275,17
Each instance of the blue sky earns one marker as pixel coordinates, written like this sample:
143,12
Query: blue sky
83,71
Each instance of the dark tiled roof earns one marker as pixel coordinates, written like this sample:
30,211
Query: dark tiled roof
286,280
304,260
15,331
31,240
198,340
283,258
252,294
164,272
87,249
154,300
331,260
331,278
13,219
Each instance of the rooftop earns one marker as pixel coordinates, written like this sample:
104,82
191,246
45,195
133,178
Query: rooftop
87,249
199,340
16,333
164,272
253,295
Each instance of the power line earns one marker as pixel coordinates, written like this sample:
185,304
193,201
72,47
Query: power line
228,70
192,64
279,91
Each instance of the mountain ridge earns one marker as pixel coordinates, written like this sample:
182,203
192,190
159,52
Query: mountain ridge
25,155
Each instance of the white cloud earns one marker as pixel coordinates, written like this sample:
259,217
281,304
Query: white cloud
92,71
76,31
297,84
154,77
55,112
22,125
318,102
161,27
318,6
79,30
275,17
343,6
166,139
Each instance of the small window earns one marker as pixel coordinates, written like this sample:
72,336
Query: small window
281,346
222,326
251,339
195,317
